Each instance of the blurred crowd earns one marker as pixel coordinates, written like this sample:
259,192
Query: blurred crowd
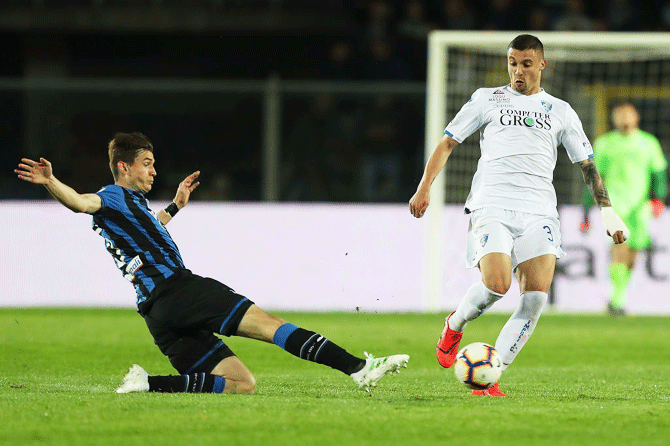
334,147
385,39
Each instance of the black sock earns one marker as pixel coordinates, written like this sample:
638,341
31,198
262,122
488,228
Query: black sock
313,347
193,383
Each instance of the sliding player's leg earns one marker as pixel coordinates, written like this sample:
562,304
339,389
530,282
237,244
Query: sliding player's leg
314,347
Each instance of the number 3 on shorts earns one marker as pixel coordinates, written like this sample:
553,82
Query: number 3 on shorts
551,236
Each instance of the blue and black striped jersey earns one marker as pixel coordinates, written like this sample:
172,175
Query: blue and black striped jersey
139,243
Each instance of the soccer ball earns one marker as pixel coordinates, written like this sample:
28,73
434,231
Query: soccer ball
478,365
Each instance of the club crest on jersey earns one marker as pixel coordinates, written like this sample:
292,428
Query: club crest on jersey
483,239
547,105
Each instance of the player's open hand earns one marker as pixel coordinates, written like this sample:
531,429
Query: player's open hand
419,203
185,188
33,171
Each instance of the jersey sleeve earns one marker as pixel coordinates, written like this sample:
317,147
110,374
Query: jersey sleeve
111,197
467,120
574,139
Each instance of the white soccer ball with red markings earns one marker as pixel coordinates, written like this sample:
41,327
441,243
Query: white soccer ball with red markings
478,365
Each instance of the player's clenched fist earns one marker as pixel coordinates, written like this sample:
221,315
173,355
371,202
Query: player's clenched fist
419,203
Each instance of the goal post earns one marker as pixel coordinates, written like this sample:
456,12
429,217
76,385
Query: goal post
590,70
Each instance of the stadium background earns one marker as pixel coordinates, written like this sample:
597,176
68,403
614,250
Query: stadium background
275,100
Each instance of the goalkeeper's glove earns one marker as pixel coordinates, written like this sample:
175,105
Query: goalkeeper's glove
584,226
613,222
657,206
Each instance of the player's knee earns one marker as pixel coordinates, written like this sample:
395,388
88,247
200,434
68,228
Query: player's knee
497,280
499,285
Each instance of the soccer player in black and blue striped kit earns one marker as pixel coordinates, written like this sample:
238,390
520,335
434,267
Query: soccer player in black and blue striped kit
182,310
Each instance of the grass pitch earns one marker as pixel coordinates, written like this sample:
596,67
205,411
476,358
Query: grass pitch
581,380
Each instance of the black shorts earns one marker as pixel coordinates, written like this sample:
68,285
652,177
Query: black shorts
184,314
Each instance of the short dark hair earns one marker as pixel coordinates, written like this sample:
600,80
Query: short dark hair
125,147
527,42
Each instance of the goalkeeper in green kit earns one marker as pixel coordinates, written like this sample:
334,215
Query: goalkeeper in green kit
633,166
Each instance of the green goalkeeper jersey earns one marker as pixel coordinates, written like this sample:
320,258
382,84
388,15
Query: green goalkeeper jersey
627,165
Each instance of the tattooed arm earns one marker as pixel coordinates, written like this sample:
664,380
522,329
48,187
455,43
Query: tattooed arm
595,183
613,224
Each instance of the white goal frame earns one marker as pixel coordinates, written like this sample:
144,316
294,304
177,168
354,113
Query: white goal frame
609,43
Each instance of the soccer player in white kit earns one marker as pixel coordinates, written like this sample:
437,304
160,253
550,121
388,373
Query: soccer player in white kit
514,223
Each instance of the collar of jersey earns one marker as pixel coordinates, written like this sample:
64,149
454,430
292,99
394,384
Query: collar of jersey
134,192
516,93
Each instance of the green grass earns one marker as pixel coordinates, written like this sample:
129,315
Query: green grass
581,380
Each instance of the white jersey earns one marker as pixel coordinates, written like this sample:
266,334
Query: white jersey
519,137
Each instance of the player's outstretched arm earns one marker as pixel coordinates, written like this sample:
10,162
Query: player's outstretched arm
421,199
613,224
181,197
42,173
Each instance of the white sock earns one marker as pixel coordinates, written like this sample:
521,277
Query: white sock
476,301
520,325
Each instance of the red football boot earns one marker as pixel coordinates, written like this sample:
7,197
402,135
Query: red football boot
447,346
494,390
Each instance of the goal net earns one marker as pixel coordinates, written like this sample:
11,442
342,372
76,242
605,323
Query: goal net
592,71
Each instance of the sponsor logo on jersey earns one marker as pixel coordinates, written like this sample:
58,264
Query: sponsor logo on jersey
523,118
498,97
134,265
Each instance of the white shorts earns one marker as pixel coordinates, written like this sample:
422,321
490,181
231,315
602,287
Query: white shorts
520,235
